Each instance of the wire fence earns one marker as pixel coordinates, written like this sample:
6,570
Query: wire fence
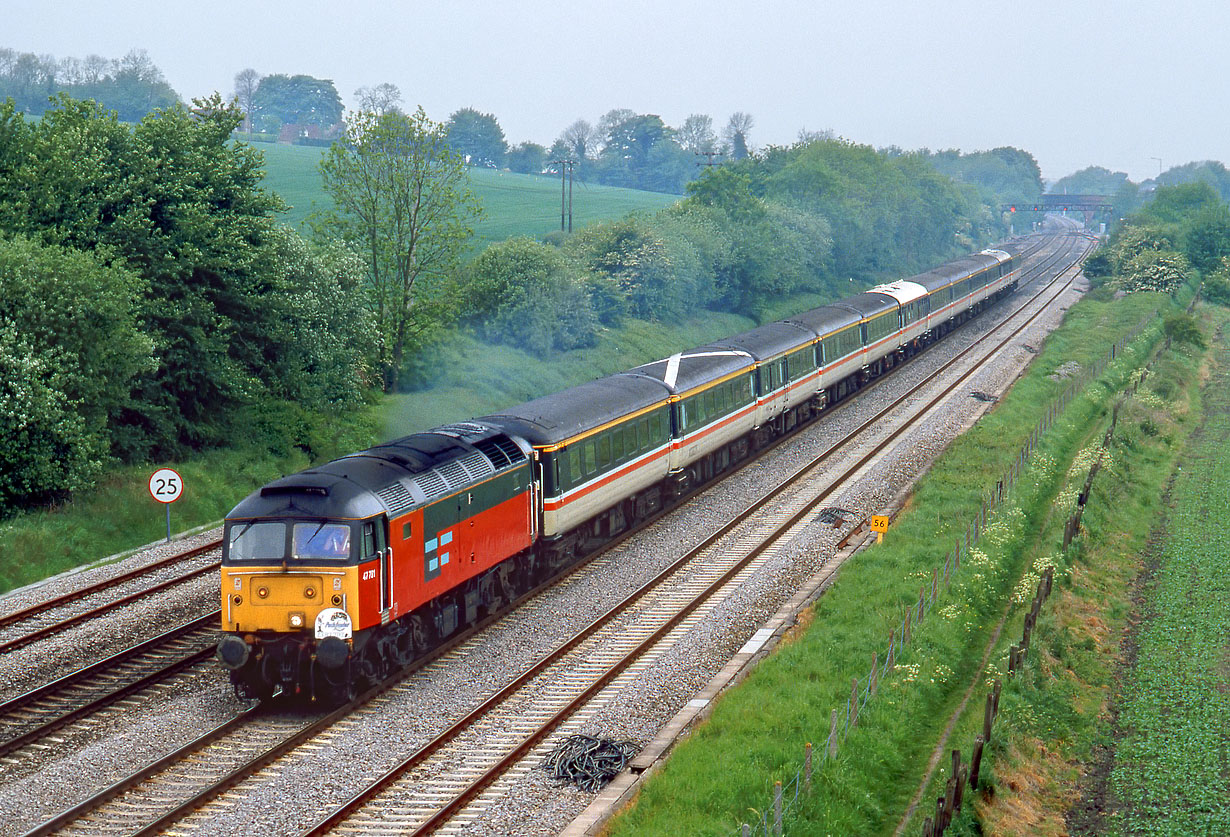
841,722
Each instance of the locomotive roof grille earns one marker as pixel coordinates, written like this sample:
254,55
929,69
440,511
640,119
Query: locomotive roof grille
396,498
492,450
433,484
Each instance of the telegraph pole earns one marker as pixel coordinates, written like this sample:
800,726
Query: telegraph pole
565,192
709,162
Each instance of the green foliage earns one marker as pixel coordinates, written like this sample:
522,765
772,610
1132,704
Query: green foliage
1170,765
1217,284
477,137
1179,204
48,449
295,100
131,86
401,198
520,293
75,321
1183,328
1207,239
527,158
1001,176
1153,270
321,345
888,213
143,264
1093,180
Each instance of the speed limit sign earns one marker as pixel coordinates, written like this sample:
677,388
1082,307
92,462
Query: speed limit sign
165,485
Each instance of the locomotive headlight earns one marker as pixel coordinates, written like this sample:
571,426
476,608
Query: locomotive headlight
263,592
309,592
337,600
296,621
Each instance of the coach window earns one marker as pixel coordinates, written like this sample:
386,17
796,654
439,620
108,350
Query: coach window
574,464
604,450
590,455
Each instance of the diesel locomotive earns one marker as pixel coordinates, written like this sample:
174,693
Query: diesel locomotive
335,576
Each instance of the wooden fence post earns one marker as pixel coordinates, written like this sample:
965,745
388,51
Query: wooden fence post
777,808
832,750
807,768
988,717
976,761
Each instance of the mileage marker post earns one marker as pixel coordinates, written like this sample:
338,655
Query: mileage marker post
166,486
879,525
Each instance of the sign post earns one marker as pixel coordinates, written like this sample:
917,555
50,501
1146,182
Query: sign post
165,486
879,525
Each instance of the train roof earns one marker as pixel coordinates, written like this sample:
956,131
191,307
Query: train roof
561,415
903,291
954,271
391,478
768,340
826,318
685,371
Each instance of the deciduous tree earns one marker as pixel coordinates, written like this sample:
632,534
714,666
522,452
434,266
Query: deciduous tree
246,83
401,198
477,137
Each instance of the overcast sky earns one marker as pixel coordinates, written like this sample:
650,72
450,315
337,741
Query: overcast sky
1117,83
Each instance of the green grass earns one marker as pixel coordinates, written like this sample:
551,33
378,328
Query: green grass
1172,768
119,514
725,771
513,204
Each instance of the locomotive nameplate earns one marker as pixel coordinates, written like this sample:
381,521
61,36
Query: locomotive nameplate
333,621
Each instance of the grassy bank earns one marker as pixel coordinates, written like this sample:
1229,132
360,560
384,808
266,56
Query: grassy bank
725,772
1117,726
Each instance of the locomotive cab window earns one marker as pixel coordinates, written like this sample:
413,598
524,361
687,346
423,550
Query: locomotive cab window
321,541
256,542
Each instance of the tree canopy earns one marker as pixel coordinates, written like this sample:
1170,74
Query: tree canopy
295,100
132,86
149,292
401,198
477,137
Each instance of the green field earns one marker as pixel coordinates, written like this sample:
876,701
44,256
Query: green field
513,204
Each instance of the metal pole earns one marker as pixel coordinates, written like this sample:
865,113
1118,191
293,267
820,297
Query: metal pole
168,505
562,167
570,167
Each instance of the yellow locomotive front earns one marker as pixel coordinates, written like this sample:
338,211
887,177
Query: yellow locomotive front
289,603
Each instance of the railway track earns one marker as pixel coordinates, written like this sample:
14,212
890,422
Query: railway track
230,760
506,734
35,622
77,698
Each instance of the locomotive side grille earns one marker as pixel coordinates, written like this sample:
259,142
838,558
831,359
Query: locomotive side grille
509,447
453,474
492,451
477,466
396,498
432,483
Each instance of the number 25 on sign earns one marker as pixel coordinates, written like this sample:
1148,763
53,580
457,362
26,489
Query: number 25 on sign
165,486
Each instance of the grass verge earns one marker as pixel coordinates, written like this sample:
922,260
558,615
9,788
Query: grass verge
724,773
1117,726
